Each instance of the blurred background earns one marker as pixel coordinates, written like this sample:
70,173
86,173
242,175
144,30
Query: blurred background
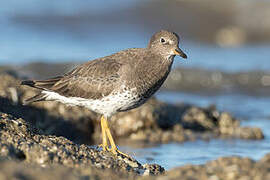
230,35
227,42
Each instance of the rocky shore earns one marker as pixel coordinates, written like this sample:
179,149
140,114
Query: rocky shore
27,154
223,168
49,139
22,142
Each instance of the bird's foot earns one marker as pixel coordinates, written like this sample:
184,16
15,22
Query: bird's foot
116,151
104,147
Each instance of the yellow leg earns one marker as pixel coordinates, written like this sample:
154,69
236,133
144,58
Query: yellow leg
109,135
114,148
104,144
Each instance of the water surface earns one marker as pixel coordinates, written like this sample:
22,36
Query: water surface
47,31
252,111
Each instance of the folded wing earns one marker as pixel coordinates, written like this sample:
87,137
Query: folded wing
92,80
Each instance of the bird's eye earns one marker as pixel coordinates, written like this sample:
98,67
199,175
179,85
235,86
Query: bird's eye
162,40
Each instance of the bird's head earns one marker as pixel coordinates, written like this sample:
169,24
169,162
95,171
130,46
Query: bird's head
166,43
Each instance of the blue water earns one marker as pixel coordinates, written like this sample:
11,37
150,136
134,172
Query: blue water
255,111
41,36
49,41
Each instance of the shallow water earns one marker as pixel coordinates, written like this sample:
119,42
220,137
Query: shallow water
255,111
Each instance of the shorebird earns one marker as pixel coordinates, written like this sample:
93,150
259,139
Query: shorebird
115,83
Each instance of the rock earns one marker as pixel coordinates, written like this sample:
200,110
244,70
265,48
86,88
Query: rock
249,133
20,141
198,119
11,169
228,126
231,168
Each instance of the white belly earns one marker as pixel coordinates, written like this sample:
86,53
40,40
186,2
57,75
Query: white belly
107,106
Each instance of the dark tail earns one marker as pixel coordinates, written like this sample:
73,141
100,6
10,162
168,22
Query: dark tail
28,83
42,85
36,98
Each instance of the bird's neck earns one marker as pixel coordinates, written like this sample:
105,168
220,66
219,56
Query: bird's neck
155,74
160,66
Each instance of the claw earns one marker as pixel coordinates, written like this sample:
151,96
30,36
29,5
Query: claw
104,148
116,151
106,133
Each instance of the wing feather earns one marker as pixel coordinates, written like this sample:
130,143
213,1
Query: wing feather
91,80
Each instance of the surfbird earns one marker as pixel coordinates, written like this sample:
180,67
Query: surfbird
115,83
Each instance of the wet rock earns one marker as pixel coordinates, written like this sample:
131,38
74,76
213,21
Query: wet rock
20,141
198,119
228,126
249,133
10,169
162,123
231,168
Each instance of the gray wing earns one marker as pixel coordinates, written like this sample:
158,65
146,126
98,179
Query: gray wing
91,80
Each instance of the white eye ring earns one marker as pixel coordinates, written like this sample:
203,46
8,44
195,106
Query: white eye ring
162,40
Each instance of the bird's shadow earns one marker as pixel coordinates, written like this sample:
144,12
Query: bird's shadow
78,131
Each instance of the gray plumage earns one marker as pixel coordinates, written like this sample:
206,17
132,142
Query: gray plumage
138,71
